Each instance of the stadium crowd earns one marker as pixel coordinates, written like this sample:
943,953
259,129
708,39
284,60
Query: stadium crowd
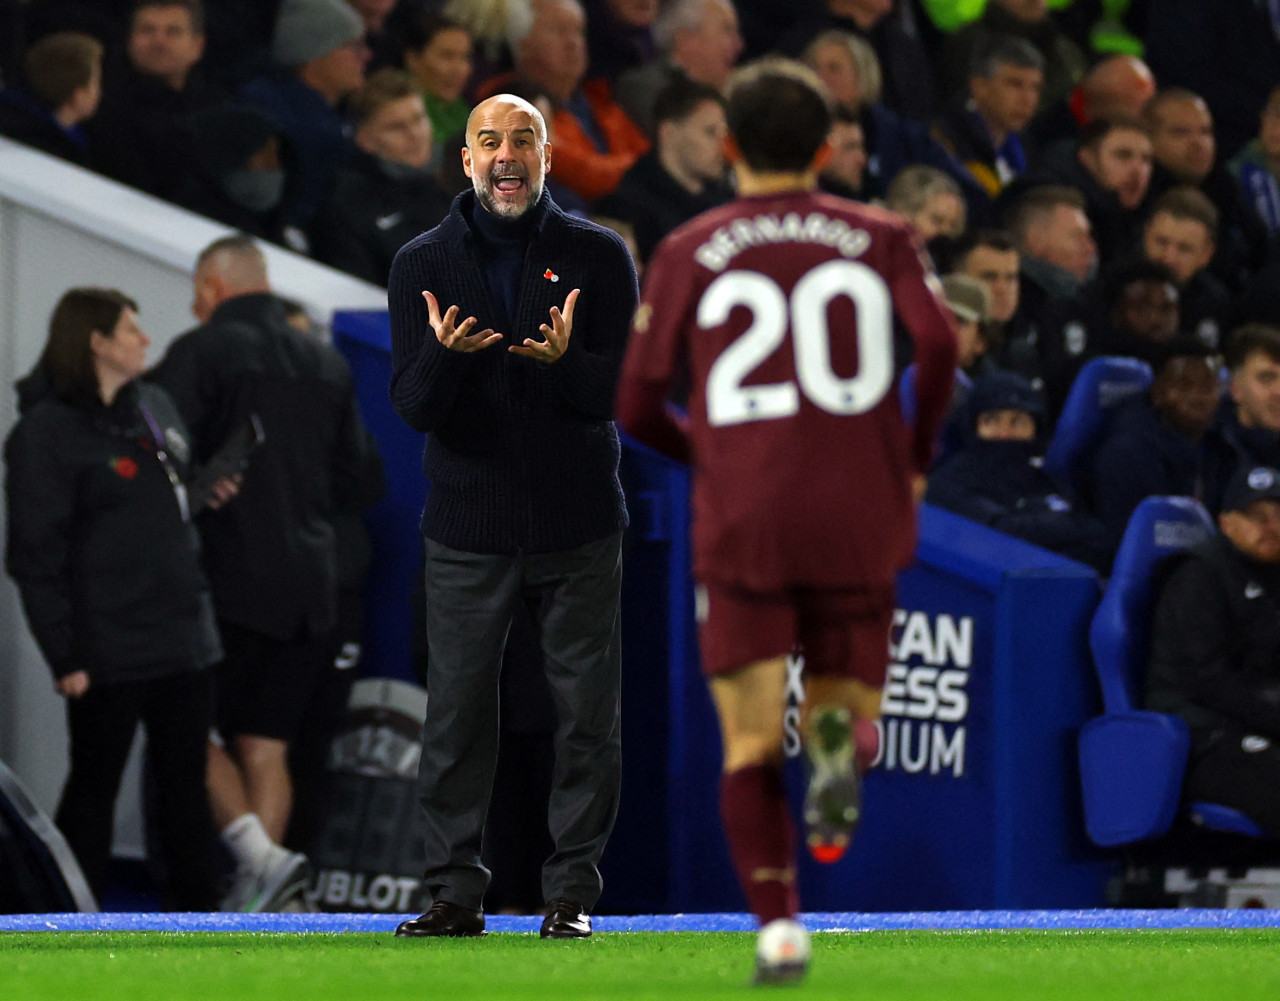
1090,177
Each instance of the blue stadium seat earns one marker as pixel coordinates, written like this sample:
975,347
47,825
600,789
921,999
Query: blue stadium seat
1102,383
1132,760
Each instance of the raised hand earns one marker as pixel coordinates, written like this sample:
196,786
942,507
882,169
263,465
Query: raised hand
73,685
556,335
457,336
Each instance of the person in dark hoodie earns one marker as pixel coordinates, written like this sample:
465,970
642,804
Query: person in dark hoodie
997,479
102,546
385,194
61,91
1133,311
1246,429
1215,652
684,173
1151,446
236,171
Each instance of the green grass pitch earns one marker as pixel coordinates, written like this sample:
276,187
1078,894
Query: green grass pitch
1204,965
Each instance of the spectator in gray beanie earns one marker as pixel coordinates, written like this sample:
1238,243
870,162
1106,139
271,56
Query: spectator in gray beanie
311,29
320,55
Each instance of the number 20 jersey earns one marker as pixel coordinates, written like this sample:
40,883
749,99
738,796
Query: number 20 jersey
781,309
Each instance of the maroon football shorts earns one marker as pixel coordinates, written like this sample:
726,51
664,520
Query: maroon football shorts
840,632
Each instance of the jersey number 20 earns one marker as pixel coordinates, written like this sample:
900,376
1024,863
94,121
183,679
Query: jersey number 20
730,402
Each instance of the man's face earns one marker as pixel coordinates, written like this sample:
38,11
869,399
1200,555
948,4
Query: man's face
1181,245
1183,140
1121,163
1186,393
998,271
1255,387
1063,239
835,67
1008,99
1255,531
942,215
848,161
338,73
1006,425
506,157
709,52
1148,310
163,43
399,131
204,293
634,13
697,142
443,66
554,53
1269,129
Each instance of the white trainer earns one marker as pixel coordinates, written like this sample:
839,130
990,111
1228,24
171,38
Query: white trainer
284,878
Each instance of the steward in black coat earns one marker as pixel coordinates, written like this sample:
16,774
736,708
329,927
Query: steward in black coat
108,569
271,554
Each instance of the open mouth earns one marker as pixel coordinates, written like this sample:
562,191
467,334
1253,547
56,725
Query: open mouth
508,184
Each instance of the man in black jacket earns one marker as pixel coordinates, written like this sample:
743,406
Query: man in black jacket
1246,430
684,174
385,194
270,556
149,100
1215,654
525,503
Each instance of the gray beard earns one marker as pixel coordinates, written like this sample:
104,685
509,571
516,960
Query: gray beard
484,194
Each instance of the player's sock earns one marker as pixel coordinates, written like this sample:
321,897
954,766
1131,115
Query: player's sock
753,806
866,742
249,842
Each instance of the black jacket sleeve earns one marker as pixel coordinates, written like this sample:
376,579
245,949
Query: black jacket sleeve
40,492
425,375
1191,650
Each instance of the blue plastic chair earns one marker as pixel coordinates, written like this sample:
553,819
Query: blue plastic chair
1100,385
1132,760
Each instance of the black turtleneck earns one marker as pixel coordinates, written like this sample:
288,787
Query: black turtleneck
502,243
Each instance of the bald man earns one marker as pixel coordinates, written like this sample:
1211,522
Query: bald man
271,556
508,323
1116,89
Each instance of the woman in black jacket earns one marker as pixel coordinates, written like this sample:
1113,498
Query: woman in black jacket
104,554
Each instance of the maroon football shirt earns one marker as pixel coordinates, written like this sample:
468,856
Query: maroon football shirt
781,309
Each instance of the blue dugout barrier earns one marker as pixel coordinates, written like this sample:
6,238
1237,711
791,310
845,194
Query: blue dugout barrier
975,803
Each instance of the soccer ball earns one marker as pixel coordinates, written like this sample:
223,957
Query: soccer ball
782,951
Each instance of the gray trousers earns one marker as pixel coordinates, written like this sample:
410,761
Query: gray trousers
573,598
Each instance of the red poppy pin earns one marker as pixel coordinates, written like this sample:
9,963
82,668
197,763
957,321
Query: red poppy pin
125,467
550,275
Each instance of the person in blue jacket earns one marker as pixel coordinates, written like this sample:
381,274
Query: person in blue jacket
1151,446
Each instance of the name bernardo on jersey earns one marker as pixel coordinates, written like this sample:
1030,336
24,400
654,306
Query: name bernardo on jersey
742,234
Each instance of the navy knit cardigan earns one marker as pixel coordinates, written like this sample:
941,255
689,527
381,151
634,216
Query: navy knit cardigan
521,455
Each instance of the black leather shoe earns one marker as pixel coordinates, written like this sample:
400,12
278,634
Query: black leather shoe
565,919
444,920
